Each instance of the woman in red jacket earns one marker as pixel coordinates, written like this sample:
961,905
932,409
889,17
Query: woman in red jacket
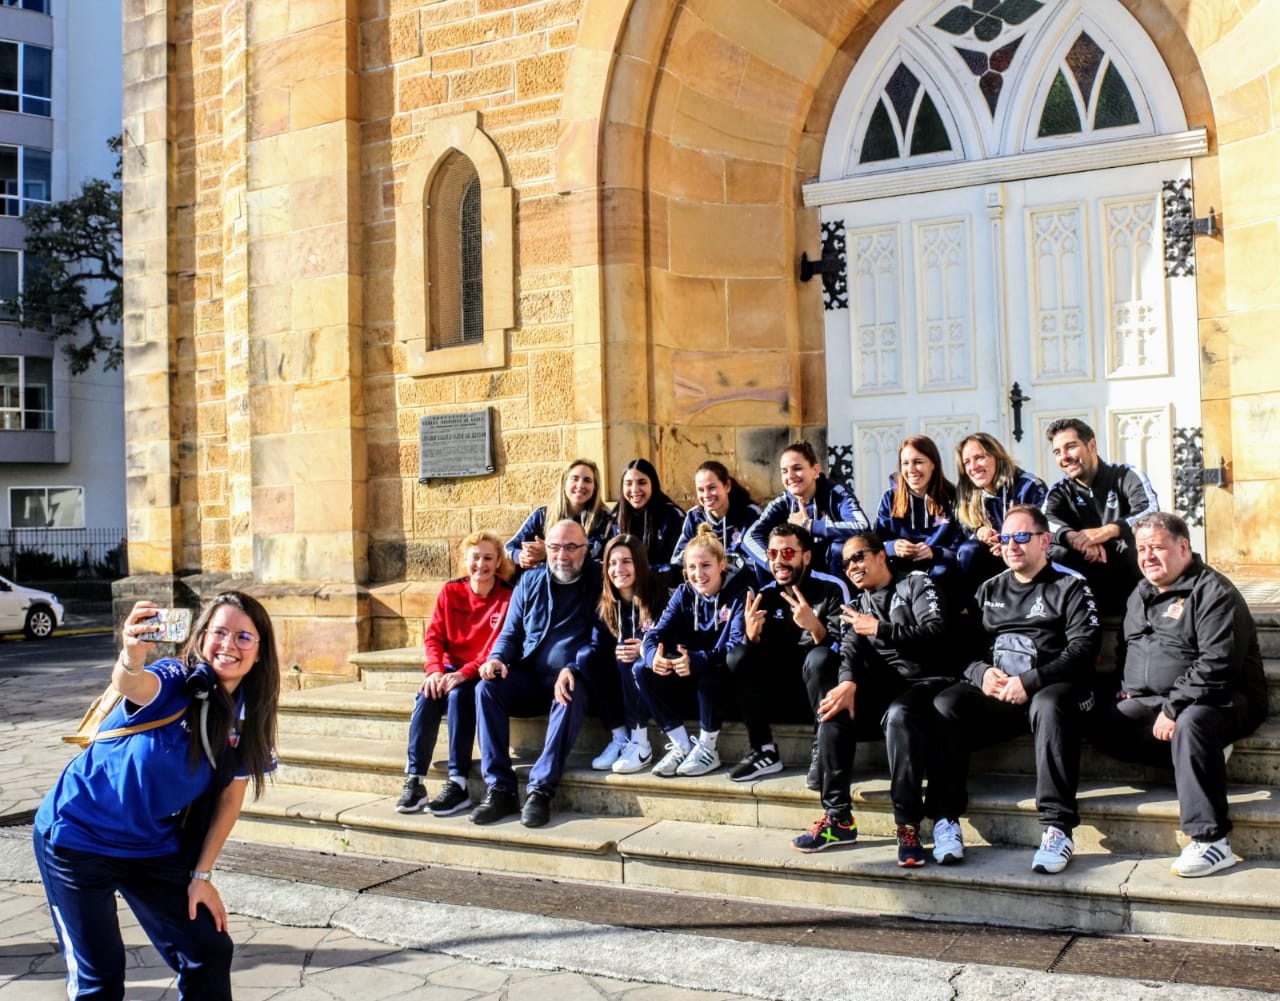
468,616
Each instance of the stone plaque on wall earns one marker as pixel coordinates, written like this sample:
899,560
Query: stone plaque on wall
454,445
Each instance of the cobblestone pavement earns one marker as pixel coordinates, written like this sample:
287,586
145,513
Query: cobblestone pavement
273,961
311,942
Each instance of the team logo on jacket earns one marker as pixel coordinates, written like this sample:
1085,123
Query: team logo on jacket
495,620
1038,611
1112,499
724,615
1174,611
897,602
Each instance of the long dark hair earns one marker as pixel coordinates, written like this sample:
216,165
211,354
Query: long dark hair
739,499
939,492
260,687
650,594
630,519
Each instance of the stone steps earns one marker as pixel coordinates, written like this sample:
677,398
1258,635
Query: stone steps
1101,891
334,717
1125,815
342,759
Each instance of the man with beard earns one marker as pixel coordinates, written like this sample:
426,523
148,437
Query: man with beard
1092,510
1042,637
532,663
896,656
1192,683
788,660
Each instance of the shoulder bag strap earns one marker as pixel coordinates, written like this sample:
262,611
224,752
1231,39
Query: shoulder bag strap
128,731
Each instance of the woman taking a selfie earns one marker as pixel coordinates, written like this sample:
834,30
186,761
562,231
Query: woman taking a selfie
146,813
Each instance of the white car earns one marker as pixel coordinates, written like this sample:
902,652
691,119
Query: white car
36,613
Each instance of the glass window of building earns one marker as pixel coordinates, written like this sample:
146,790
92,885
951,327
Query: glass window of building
26,393
26,78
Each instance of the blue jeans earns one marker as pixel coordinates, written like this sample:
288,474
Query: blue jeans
459,706
523,693
81,888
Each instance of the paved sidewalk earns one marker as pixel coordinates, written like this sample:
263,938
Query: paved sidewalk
303,942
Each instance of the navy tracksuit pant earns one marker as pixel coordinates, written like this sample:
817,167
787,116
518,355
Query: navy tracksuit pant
81,888
459,706
525,693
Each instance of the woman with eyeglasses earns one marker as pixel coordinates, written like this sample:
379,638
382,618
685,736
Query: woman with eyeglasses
916,519
465,622
646,512
723,504
989,484
579,499
146,814
631,600
684,656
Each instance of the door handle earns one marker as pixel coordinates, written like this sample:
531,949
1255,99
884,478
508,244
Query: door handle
1016,400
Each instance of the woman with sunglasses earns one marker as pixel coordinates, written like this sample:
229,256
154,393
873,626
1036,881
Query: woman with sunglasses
648,513
684,655
989,484
630,602
916,518
723,504
146,814
578,499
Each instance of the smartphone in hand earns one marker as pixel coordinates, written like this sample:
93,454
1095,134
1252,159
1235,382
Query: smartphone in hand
168,625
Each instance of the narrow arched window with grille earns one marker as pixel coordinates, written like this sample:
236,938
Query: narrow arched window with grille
455,254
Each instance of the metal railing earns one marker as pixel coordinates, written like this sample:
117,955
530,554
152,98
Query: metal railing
63,553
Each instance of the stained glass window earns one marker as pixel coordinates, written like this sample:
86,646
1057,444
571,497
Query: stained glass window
904,115
1115,103
1080,100
1060,117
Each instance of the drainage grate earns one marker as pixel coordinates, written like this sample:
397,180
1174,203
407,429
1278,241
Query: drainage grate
345,872
1247,967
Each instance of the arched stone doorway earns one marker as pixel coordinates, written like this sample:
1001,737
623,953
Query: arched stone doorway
997,174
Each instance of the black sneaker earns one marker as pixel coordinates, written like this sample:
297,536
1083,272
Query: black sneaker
813,780
910,852
537,809
759,761
412,796
450,800
497,803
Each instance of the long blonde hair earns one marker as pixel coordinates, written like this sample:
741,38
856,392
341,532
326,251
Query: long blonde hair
970,508
594,517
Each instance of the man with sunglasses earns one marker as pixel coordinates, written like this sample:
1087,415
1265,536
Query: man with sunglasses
1042,637
1192,683
896,656
532,664
792,632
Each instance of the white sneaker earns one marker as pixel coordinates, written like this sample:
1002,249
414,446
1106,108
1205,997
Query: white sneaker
947,844
1200,858
670,762
1054,853
634,758
700,760
603,761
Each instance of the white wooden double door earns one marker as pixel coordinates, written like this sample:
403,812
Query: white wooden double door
1057,284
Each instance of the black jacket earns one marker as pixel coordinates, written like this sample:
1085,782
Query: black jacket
1193,643
1056,612
912,638
825,595
1119,495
